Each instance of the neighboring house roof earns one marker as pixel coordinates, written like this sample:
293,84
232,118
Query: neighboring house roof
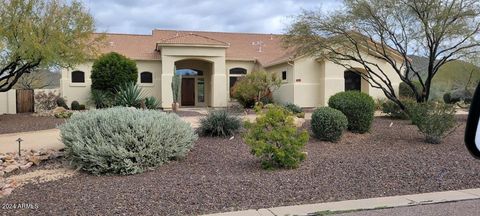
263,48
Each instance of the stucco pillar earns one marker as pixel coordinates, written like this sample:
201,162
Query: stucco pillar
334,80
219,89
168,67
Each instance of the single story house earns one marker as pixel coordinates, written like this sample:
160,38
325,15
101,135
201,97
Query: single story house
211,63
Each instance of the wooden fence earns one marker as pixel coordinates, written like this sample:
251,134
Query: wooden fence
20,101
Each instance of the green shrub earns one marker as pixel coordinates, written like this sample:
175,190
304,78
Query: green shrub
393,110
293,108
82,107
75,105
434,120
379,103
258,107
102,99
61,102
129,95
112,70
275,139
357,106
255,87
406,92
151,103
267,99
124,140
328,124
64,115
458,95
219,123
296,110
447,98
300,115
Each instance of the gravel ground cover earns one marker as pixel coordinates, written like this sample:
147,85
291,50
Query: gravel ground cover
26,122
220,175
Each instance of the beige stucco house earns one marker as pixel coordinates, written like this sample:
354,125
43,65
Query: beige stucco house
218,60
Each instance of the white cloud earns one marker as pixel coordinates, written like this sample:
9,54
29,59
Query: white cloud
141,16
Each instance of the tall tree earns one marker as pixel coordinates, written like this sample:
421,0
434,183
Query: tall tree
38,79
391,30
41,34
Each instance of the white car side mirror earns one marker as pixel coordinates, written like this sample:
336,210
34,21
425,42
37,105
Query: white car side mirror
472,131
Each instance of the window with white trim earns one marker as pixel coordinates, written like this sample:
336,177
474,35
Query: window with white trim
146,77
235,75
78,76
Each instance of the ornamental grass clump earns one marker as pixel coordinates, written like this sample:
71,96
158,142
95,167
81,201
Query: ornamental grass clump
328,124
125,140
219,123
275,139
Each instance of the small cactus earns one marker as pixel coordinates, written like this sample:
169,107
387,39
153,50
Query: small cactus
75,105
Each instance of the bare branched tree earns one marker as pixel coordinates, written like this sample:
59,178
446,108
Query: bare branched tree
39,79
391,30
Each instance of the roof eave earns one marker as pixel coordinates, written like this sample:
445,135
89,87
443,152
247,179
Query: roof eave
190,45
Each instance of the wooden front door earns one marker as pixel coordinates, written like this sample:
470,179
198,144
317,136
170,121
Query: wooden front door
25,101
188,92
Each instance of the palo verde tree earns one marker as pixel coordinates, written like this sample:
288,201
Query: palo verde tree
41,34
391,30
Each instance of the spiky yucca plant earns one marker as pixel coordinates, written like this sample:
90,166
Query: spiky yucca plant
129,95
151,103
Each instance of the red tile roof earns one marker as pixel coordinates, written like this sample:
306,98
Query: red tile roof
191,38
265,48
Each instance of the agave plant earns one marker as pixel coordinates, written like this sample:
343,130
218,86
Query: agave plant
101,99
151,103
129,95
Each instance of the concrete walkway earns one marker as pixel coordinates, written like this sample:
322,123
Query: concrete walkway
362,204
36,140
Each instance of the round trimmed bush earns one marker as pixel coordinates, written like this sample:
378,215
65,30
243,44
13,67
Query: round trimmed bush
406,92
125,140
457,95
328,124
112,70
357,106
75,105
219,123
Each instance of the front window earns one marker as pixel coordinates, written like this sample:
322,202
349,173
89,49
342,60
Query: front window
146,77
235,75
353,81
78,77
284,75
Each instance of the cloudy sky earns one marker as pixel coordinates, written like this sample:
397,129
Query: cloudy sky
141,16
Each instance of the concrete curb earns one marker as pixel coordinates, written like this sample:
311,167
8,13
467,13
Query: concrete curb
362,204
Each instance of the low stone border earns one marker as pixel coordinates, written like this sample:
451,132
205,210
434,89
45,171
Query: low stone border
10,162
362,204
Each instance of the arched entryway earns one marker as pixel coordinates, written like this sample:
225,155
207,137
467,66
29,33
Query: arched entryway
196,78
